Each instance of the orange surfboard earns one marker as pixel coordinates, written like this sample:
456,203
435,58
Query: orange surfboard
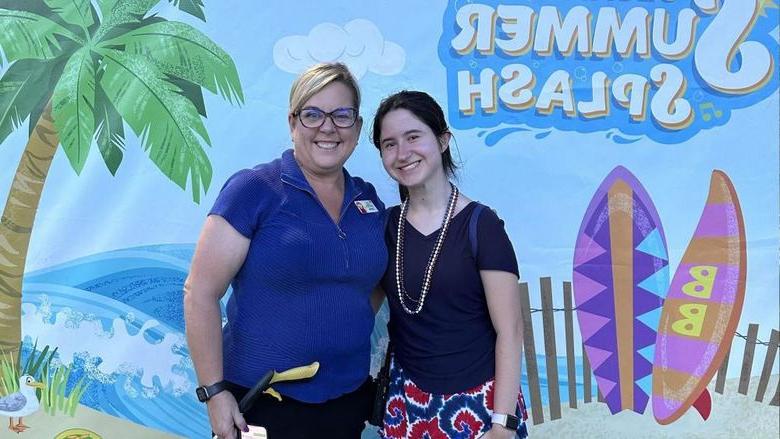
702,307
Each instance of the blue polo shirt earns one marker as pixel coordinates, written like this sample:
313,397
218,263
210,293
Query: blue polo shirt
303,292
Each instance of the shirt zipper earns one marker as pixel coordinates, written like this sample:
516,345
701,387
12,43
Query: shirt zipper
339,232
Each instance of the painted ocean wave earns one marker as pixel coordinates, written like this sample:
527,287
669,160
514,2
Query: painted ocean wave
149,278
117,317
137,367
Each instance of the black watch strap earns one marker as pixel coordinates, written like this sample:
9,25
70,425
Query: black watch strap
507,421
206,392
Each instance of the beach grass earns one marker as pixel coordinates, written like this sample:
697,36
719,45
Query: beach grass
10,370
55,396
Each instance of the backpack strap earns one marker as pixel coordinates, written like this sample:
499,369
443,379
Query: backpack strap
473,221
386,219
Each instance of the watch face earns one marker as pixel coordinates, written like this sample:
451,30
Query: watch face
202,395
512,422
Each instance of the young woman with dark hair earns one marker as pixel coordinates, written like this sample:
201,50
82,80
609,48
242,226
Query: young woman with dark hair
452,288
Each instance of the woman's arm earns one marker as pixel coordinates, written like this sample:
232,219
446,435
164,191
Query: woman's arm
219,255
503,299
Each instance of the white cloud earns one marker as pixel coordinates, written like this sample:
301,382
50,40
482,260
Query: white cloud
359,44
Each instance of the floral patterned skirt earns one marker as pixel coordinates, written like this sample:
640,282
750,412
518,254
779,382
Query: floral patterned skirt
412,413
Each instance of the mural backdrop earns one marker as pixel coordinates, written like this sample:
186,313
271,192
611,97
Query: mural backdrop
631,147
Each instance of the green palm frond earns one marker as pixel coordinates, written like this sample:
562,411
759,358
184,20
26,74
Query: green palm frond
76,12
34,6
123,28
182,51
25,35
119,12
191,91
106,6
20,91
55,67
73,105
192,7
110,131
37,7
126,8
167,122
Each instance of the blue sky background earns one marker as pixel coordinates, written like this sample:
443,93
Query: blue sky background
541,187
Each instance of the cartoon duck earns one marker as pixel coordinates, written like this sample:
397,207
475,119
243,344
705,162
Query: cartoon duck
21,403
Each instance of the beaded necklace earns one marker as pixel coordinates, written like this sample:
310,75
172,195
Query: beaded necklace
399,251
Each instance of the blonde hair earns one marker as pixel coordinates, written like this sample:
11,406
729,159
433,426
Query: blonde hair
317,77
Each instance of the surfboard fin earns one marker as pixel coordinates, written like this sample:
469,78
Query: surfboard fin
703,404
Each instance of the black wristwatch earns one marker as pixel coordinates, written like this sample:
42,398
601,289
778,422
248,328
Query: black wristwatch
507,421
206,392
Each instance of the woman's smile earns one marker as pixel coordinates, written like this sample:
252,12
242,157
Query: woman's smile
327,144
410,166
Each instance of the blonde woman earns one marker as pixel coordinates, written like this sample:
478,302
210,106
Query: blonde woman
301,242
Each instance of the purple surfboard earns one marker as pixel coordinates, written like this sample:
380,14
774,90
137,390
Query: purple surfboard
621,274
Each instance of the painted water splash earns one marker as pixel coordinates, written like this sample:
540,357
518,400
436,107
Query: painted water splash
120,350
495,136
619,137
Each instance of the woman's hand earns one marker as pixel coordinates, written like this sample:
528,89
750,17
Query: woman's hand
498,432
224,416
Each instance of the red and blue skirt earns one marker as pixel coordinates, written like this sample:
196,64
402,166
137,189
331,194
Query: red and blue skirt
412,413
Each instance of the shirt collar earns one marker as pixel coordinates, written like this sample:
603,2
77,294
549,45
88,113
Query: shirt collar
292,174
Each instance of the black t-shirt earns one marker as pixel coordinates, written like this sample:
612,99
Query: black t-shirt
449,346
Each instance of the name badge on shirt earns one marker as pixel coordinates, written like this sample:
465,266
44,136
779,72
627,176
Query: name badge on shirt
366,206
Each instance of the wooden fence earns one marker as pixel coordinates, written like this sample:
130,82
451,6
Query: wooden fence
551,356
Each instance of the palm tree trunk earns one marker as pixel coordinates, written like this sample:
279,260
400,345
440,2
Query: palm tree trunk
16,226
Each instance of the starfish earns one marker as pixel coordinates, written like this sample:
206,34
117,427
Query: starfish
21,403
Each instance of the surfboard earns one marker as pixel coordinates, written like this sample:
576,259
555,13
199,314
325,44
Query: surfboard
621,274
702,308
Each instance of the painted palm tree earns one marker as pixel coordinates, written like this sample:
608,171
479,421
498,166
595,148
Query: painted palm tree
80,70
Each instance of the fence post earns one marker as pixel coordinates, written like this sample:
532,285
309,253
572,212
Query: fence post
550,354
569,323
537,414
776,398
769,361
720,381
747,359
586,377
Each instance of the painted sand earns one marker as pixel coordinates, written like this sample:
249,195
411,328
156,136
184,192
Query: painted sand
43,426
733,416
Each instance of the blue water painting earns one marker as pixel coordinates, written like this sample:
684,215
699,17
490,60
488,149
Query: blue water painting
117,317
